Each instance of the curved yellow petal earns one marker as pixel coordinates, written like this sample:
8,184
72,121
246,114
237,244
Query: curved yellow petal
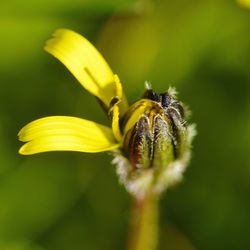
143,106
64,143
84,62
65,133
115,123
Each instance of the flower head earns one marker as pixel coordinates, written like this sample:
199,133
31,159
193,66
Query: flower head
244,3
150,139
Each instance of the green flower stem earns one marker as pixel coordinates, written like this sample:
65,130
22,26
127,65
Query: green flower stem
144,223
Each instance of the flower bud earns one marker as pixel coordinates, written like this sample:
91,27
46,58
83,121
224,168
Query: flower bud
156,143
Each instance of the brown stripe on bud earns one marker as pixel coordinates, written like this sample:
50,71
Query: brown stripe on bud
150,143
140,143
163,143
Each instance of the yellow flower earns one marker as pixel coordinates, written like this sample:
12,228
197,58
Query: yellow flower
70,133
150,140
244,3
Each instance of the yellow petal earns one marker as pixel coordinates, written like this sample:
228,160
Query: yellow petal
84,62
143,106
115,123
63,143
64,133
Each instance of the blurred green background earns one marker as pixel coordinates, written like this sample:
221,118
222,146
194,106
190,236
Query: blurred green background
72,201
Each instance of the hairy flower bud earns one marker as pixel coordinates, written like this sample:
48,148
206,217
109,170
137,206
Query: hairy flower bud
156,143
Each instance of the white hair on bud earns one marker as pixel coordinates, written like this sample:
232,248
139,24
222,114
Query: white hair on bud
136,186
138,183
148,85
172,91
